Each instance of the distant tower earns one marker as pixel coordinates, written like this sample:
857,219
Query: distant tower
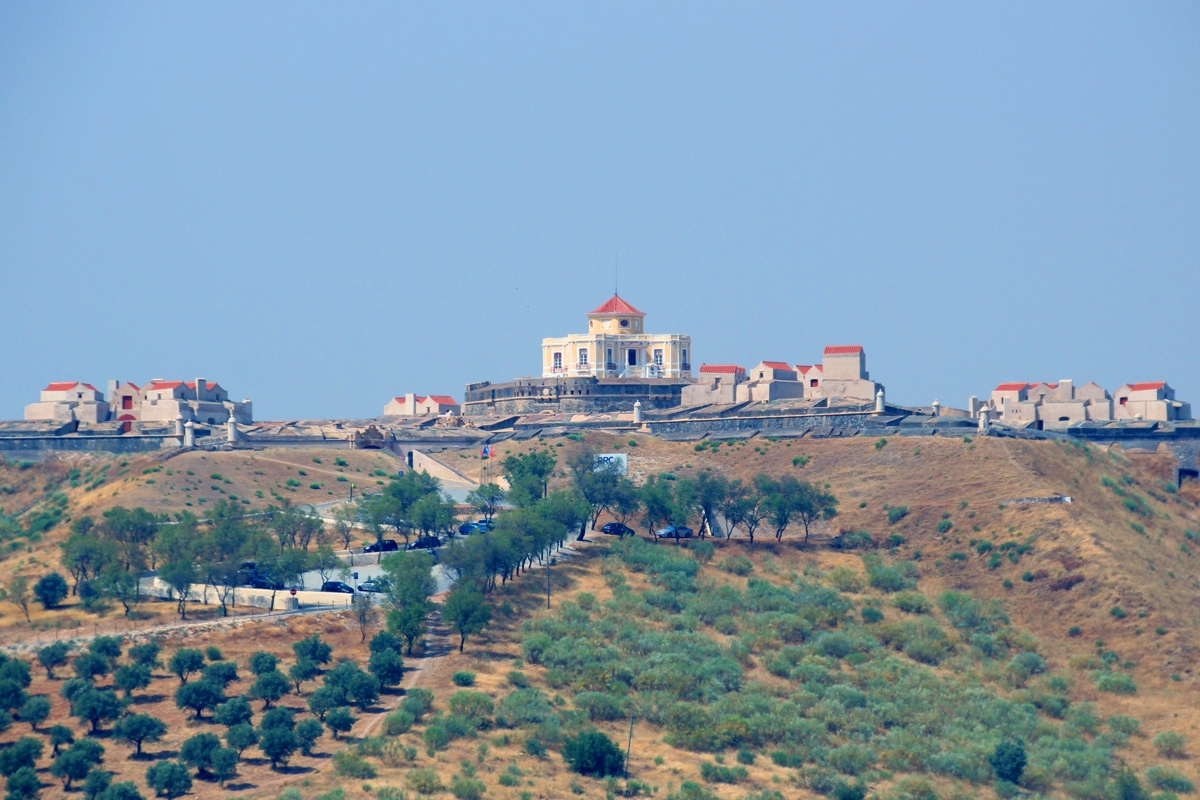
231,431
983,421
637,412
879,402
937,408
189,434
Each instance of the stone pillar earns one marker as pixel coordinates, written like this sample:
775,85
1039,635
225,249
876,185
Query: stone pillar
983,421
973,406
937,408
637,412
189,434
179,429
231,431
879,402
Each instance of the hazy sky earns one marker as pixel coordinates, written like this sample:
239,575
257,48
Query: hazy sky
323,205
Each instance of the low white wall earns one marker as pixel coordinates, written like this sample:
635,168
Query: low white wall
205,595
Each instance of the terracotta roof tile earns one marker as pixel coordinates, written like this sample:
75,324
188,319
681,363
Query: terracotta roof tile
61,386
777,365
444,400
842,349
1145,387
1011,387
727,369
616,305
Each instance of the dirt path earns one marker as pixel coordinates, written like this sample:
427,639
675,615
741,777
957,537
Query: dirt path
438,645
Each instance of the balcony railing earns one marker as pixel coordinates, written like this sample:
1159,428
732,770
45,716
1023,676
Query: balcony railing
583,365
610,366
685,367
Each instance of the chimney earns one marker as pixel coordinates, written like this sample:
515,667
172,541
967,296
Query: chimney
199,388
1066,387
112,388
410,402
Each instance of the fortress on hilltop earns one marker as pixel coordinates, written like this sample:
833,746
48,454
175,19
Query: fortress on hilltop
608,369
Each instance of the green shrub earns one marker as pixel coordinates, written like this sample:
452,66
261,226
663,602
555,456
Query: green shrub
349,764
463,678
871,615
851,759
1120,723
398,722
1170,744
737,565
944,526
593,753
423,781
912,603
718,773
467,788
1169,779
845,579
896,513
1116,683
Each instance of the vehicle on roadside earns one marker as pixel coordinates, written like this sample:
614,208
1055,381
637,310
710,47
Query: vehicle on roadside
382,546
337,586
425,543
616,529
486,524
674,531
374,586
467,528
262,582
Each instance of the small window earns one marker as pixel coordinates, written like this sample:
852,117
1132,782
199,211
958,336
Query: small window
624,323
658,357
1123,399
583,357
558,360
631,357
760,374
813,383
126,402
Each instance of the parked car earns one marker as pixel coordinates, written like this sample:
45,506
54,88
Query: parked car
616,529
262,582
486,524
467,528
382,546
374,585
425,543
337,586
675,531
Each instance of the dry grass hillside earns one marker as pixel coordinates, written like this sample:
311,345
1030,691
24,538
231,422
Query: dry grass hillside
1106,583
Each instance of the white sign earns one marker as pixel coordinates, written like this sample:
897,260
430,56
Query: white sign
616,461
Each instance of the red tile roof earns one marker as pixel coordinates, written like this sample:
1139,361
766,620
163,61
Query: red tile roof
165,385
61,387
1011,387
777,365
842,349
616,305
444,400
1144,387
802,368
728,369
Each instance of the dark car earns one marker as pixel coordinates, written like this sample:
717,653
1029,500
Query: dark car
336,586
486,524
262,582
467,528
425,543
616,529
382,546
675,531
374,585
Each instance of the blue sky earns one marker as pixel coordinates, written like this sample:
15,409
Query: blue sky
324,205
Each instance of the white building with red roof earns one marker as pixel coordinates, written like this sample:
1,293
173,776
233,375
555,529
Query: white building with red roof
1058,405
842,375
616,345
415,405
65,401
1149,401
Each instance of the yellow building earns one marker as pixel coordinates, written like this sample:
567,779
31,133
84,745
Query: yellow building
616,345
